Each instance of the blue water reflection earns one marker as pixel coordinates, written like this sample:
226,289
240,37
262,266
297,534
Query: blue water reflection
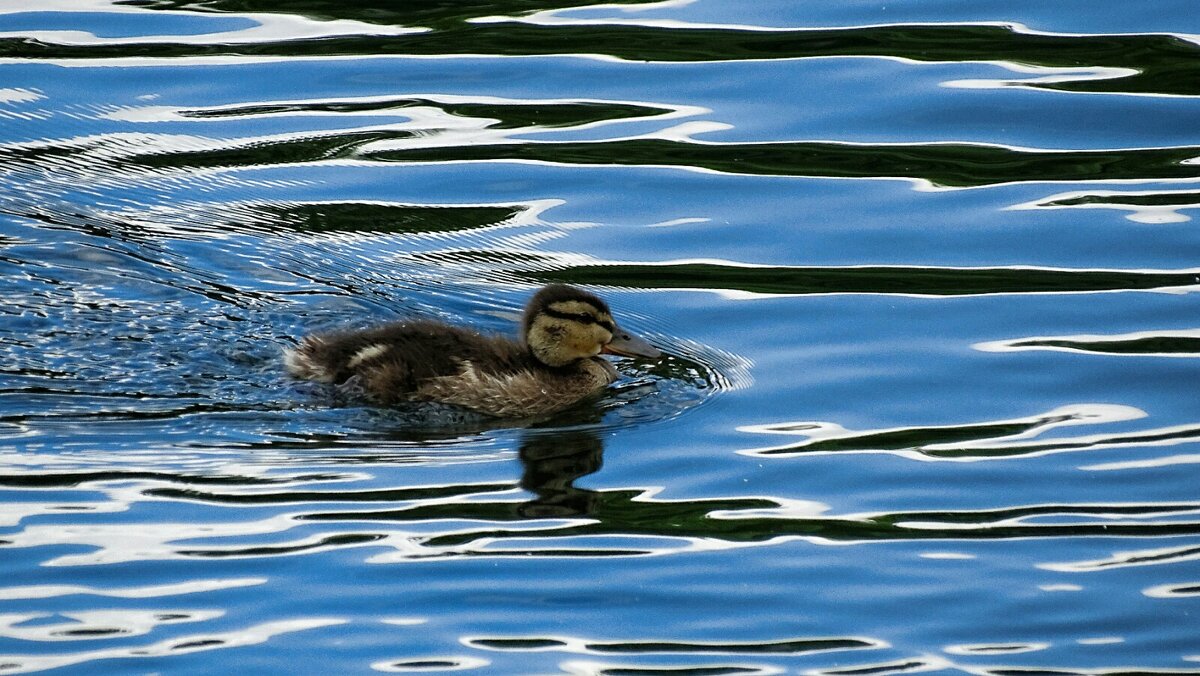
924,272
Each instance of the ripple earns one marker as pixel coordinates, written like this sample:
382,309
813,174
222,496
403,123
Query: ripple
45,478
429,664
337,223
951,165
885,668
497,520
246,29
493,112
1152,207
106,368
317,497
1053,671
652,526
109,376
996,648
1126,63
252,635
1183,343
971,442
144,592
433,15
743,280
798,646
602,669
10,95
1167,591
1141,557
96,624
1148,463
114,543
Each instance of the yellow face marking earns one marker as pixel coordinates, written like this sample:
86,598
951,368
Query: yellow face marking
582,310
559,340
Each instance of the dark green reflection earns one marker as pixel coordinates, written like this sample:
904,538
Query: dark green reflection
483,257
427,665
64,479
877,279
922,440
259,153
1167,199
1149,345
1050,671
678,671
395,218
518,643
785,647
505,115
630,513
957,164
1169,435
554,459
344,540
1160,64
918,438
310,497
897,667
1170,556
427,13
797,646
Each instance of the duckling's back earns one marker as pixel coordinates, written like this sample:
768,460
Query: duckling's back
409,352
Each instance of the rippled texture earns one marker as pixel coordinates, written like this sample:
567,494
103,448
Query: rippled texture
925,274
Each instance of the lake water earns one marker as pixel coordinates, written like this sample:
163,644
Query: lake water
925,272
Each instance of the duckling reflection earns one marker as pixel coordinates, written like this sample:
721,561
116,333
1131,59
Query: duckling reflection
552,462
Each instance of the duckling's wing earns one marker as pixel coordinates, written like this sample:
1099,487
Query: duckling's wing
394,360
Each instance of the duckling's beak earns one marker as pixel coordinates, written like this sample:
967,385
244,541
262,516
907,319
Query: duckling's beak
628,345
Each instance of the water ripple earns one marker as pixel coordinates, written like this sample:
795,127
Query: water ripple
145,592
252,635
187,186
1180,343
971,442
1134,63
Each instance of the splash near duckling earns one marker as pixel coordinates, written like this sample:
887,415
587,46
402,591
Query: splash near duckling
555,363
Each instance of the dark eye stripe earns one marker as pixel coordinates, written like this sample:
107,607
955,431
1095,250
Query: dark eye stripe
570,316
608,326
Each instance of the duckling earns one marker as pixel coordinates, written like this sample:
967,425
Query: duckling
555,363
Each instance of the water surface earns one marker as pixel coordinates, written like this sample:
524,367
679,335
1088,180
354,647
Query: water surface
925,275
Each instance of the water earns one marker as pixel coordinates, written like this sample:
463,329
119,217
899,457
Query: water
925,273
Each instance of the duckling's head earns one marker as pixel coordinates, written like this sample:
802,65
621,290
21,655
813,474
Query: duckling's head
563,324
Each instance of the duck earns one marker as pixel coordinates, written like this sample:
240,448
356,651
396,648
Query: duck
554,363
